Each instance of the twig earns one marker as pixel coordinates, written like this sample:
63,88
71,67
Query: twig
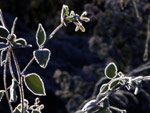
20,79
5,82
103,96
10,68
117,109
50,36
55,30
145,56
2,19
139,69
13,26
29,63
136,10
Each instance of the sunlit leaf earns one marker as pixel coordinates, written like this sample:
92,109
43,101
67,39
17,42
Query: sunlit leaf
36,111
21,41
114,83
85,19
104,88
16,111
40,35
42,57
95,109
82,28
66,10
70,18
1,94
111,70
122,82
106,111
35,84
3,32
120,74
89,104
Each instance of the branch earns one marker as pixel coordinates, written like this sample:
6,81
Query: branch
20,77
50,36
101,97
145,56
10,68
5,82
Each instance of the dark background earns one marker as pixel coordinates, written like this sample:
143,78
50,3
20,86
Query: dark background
78,59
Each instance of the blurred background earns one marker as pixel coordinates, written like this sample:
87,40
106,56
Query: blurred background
76,68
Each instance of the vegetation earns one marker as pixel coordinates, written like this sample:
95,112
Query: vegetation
116,48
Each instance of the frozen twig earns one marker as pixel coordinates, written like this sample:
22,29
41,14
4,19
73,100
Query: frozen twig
145,56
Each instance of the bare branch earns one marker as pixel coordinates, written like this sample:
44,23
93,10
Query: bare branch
145,56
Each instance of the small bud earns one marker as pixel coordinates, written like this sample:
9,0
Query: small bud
41,106
37,101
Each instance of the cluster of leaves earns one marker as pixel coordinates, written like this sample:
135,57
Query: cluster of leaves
35,108
32,81
117,81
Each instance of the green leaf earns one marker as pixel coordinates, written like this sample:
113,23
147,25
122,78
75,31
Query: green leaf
114,83
3,32
104,88
95,109
1,94
66,10
42,57
122,82
35,111
70,18
111,70
120,74
21,41
3,45
106,111
40,35
35,84
16,111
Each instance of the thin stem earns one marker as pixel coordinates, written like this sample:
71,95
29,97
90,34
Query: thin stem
117,109
121,4
55,30
136,10
13,26
50,36
10,68
5,82
102,97
20,78
2,19
145,56
29,63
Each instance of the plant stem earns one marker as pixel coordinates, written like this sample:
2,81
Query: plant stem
145,56
55,30
29,63
117,109
50,36
20,79
136,9
5,82
10,68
